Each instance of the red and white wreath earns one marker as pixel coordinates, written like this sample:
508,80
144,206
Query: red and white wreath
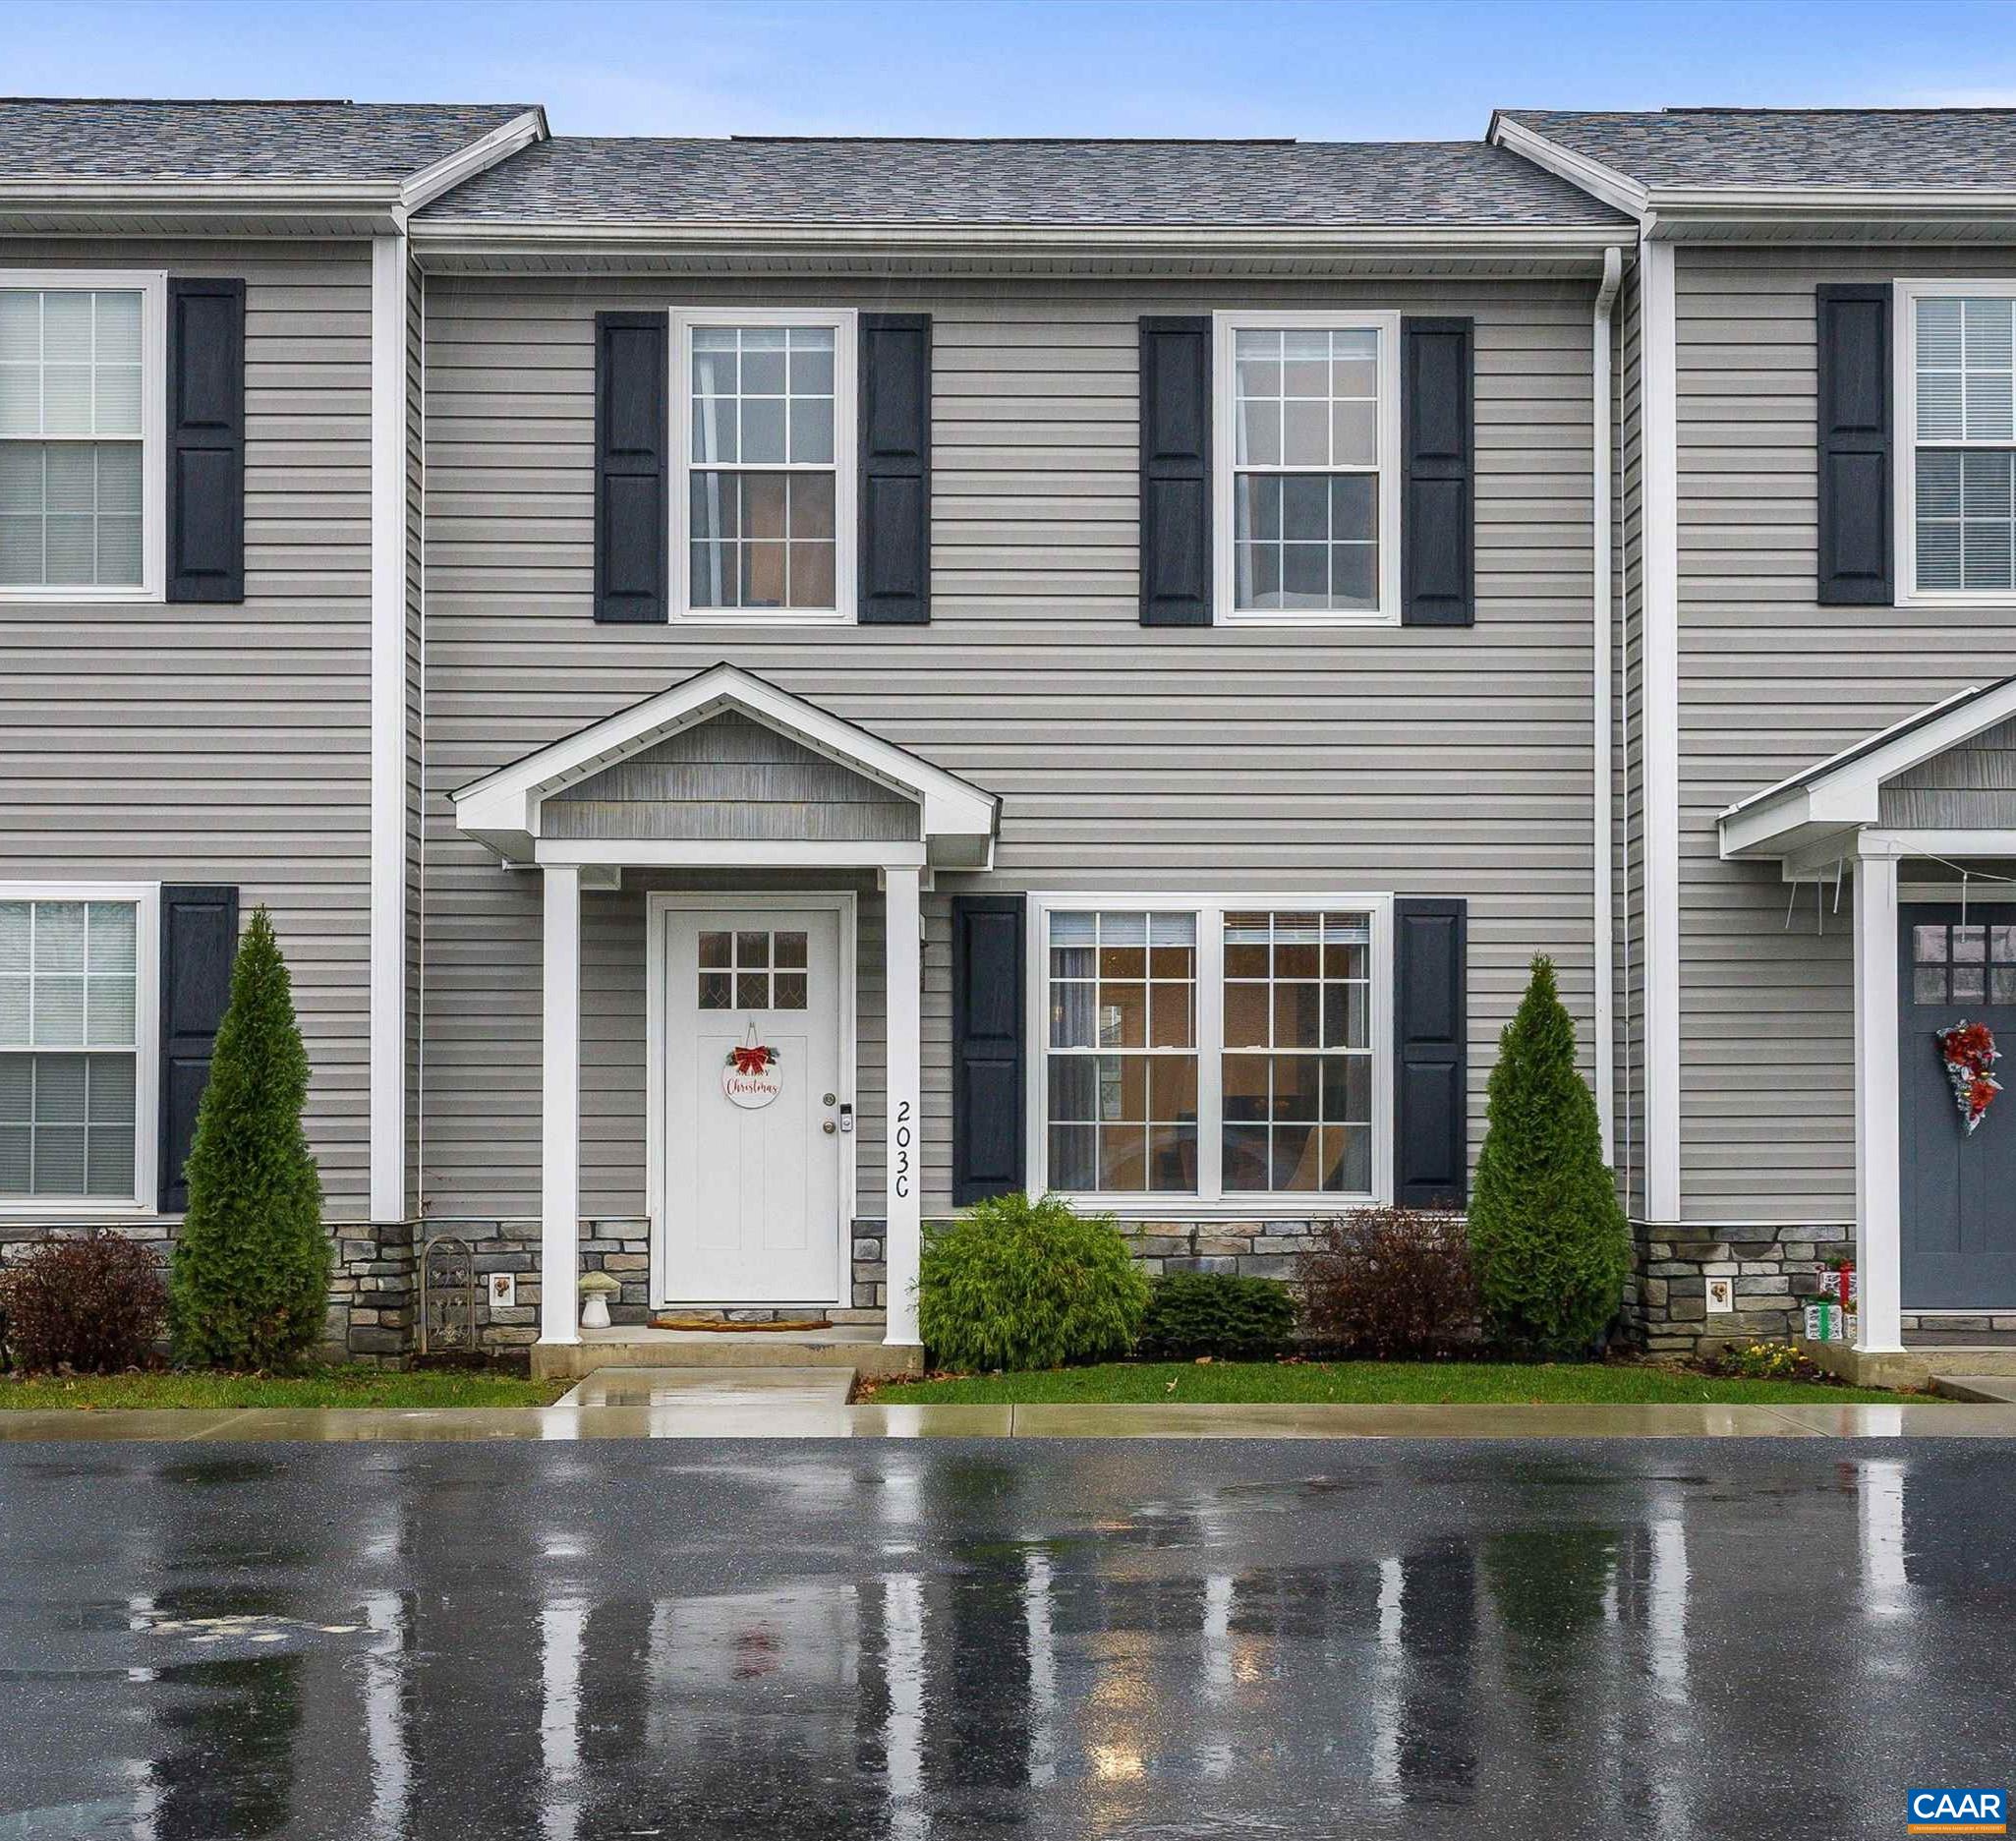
1969,1054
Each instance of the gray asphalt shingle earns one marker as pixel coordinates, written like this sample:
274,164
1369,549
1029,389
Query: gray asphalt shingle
1120,183
1878,149
49,138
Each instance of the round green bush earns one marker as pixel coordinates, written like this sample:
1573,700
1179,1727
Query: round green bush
1022,1283
1216,1313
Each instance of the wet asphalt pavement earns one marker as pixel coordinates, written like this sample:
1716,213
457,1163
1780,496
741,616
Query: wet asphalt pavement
934,1640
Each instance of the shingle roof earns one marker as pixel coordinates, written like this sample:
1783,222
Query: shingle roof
1064,183
1876,148
52,138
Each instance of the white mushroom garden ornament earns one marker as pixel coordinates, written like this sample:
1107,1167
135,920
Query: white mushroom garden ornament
597,1288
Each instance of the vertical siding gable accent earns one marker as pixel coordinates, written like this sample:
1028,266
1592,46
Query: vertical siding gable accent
1430,1035
988,1023
199,943
894,587
1438,495
1175,470
205,459
631,463
1854,414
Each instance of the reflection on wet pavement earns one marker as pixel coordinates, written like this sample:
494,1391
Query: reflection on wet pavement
916,1641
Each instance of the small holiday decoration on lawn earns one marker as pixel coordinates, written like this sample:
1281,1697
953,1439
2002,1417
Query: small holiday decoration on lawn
1969,1054
750,1079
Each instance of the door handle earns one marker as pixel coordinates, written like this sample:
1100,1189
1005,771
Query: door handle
828,1127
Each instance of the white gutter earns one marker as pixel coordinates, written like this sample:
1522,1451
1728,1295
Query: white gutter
1605,805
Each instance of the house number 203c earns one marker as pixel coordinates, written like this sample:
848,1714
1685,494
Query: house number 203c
901,1175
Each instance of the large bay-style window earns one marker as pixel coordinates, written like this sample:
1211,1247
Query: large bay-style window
1306,434
77,1019
763,415
1957,498
81,435
1212,1051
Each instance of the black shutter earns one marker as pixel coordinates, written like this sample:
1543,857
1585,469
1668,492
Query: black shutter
895,470
630,459
1430,1029
1853,327
198,942
987,1046
1437,498
206,440
1176,471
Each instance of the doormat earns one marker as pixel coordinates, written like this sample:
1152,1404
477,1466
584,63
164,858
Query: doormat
731,1329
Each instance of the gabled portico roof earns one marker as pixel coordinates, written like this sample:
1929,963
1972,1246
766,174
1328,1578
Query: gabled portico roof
1842,792
956,819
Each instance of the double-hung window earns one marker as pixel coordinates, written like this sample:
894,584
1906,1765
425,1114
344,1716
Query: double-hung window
1306,434
1201,1051
77,1014
82,412
764,420
1957,494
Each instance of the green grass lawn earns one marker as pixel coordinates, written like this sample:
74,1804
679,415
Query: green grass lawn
327,1387
1363,1383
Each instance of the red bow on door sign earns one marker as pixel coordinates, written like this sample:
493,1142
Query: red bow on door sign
754,1059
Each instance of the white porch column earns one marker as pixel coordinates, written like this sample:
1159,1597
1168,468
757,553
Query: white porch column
903,1229
1878,1209
559,1258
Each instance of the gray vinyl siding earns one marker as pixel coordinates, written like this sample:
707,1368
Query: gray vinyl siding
731,779
1972,786
1628,689
232,744
415,712
1770,683
1291,760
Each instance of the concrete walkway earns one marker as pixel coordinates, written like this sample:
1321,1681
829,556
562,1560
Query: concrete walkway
812,1403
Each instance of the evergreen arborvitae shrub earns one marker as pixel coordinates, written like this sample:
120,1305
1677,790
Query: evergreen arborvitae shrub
251,1275
1222,1314
1548,1243
1017,1283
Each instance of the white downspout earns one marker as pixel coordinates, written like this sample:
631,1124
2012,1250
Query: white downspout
1603,793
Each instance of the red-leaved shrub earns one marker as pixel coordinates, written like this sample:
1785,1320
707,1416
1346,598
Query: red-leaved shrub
1390,1282
93,1304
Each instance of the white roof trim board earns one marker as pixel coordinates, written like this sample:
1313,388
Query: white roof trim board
502,809
1842,792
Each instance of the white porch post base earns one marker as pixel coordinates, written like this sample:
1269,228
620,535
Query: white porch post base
559,1256
903,1227
1879,1235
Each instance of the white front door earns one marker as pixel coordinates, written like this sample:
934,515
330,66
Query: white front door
752,1203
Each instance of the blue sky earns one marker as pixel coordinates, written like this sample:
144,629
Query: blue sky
1318,69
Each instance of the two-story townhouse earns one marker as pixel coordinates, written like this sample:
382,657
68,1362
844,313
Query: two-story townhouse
1086,650
1816,622
209,593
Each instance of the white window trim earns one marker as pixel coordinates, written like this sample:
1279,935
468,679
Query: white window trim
1904,444
1211,1201
845,438
153,287
147,1060
1223,324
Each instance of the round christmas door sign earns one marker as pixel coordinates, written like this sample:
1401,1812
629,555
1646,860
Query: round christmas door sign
750,1079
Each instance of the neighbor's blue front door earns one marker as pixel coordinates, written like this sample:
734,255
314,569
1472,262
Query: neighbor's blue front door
1959,1190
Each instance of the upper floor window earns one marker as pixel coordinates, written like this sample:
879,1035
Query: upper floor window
75,1008
1960,498
80,434
764,516
1307,437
